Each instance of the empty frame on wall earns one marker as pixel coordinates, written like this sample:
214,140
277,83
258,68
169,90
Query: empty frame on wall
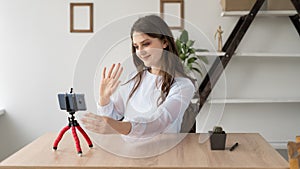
172,11
81,17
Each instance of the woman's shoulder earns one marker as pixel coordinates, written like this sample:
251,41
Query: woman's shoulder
182,86
184,82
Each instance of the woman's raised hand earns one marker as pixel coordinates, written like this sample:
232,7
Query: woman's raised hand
109,83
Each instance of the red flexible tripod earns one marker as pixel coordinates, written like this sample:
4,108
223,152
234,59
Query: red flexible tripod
75,125
72,103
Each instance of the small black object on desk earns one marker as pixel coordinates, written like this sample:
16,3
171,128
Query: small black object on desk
234,146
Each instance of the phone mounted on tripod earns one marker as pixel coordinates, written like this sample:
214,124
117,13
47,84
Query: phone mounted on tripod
72,102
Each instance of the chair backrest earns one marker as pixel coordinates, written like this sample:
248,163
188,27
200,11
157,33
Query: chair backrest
294,153
189,118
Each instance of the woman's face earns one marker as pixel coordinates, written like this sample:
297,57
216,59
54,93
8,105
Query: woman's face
148,49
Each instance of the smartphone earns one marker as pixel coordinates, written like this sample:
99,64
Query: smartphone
72,102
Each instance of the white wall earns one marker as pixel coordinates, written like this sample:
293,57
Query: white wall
38,56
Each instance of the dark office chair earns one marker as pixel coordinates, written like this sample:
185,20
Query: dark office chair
189,117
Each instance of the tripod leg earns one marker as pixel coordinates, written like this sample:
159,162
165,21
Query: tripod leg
59,137
77,142
88,140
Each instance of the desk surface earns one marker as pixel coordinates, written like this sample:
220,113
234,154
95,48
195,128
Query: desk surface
253,152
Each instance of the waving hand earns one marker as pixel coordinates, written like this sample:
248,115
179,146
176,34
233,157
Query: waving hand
109,83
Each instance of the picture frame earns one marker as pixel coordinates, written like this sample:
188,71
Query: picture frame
81,17
173,7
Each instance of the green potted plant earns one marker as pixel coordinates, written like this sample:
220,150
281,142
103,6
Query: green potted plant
192,62
217,138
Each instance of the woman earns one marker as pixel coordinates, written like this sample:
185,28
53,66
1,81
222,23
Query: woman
155,98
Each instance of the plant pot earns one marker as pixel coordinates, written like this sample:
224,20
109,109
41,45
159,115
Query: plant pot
217,141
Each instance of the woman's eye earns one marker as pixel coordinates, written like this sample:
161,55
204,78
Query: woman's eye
146,44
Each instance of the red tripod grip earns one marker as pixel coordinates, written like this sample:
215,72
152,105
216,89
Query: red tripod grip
77,142
88,140
59,137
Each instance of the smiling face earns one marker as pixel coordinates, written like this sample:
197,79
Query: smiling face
148,49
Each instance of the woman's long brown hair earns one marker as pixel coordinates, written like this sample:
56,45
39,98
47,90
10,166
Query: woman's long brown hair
155,27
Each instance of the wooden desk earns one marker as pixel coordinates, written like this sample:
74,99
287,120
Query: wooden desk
253,152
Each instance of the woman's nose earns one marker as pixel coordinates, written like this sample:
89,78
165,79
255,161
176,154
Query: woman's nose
141,52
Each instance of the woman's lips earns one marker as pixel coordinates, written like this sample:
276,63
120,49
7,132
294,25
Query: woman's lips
145,57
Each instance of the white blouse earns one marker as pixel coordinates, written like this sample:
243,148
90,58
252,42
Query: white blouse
148,119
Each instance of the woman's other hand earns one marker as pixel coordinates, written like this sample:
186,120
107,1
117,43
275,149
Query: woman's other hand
105,125
97,124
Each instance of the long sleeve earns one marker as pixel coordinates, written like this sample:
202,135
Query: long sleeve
114,109
117,105
169,112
